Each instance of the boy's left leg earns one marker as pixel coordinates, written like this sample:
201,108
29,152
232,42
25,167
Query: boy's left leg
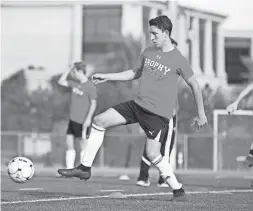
155,128
83,142
166,148
164,167
168,145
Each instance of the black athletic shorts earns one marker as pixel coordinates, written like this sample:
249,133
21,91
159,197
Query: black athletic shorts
154,126
75,129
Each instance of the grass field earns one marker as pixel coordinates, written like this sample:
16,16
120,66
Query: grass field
48,192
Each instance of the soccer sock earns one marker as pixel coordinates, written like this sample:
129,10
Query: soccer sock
70,158
251,150
92,145
81,154
145,165
166,172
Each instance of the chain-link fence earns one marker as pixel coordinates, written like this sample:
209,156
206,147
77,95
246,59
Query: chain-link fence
193,151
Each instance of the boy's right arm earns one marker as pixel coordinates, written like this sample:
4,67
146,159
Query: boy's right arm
127,75
233,106
245,92
63,79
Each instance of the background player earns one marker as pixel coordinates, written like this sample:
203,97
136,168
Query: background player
166,148
159,69
82,107
233,107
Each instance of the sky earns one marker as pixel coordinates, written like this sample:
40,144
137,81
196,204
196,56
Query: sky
239,12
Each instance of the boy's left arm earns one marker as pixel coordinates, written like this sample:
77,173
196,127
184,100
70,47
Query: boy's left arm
188,75
88,120
202,120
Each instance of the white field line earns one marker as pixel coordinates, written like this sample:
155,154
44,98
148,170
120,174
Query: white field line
127,195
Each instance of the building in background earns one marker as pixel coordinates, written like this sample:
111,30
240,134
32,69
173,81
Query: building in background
239,56
54,34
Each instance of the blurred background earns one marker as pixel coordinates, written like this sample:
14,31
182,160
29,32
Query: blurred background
41,39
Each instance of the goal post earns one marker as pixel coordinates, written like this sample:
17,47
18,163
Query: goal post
243,123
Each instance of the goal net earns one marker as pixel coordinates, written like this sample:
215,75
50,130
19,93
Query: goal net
232,137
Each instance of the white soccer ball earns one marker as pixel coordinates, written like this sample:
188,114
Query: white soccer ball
20,169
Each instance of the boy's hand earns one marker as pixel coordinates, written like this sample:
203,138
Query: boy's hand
200,122
99,78
232,107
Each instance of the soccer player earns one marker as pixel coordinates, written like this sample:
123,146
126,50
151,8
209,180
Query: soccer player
166,148
82,107
233,107
159,68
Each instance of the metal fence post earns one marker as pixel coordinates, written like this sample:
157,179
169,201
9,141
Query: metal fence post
185,152
101,156
19,145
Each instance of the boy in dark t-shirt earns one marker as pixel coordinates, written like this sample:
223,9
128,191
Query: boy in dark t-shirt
82,107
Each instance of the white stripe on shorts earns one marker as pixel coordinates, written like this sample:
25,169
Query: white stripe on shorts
168,141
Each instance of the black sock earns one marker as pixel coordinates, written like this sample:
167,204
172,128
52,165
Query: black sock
161,180
83,168
144,171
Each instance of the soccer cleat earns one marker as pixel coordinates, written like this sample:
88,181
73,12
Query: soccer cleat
143,183
248,161
75,172
163,185
178,195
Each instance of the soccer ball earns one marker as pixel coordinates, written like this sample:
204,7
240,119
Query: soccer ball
20,169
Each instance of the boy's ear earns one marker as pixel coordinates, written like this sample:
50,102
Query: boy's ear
167,33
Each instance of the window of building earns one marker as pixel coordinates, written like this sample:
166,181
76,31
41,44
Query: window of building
189,41
235,48
101,24
214,45
201,43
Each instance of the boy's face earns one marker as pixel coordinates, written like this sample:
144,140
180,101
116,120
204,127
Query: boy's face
77,74
157,36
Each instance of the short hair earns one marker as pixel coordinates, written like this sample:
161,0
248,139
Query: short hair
162,22
81,66
174,42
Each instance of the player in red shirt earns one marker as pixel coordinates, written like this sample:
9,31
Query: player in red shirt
233,107
159,69
166,148
82,106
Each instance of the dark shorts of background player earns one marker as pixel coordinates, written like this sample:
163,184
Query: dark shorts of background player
154,126
75,129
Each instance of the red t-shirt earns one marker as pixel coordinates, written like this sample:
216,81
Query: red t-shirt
81,97
160,72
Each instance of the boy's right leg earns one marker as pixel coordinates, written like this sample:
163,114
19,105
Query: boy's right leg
119,115
70,152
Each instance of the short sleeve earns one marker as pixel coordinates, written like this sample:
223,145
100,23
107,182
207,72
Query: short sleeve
139,64
184,69
92,91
